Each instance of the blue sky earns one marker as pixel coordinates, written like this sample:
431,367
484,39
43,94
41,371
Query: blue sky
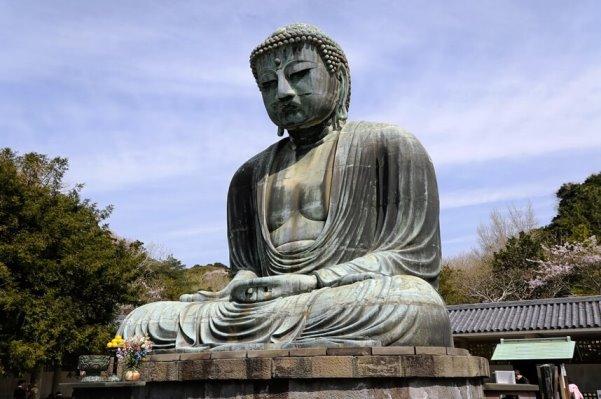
155,106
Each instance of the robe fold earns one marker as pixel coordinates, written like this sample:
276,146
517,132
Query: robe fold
382,219
383,213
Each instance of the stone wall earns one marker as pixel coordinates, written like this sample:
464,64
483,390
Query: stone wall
366,362
303,373
400,372
318,388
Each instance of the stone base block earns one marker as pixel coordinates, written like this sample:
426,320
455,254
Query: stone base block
365,373
327,388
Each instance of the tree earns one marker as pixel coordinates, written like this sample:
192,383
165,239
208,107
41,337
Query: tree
493,236
161,278
579,211
471,278
520,252
211,277
569,268
516,260
493,272
62,272
450,286
165,278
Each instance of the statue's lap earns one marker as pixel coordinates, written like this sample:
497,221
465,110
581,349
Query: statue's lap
399,310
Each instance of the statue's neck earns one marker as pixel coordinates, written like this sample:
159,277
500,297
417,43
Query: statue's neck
309,136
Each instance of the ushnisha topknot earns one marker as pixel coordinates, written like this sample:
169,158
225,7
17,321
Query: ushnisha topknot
329,50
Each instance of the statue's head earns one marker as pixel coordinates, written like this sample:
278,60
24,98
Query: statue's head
303,76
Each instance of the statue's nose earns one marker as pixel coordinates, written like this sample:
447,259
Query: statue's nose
285,91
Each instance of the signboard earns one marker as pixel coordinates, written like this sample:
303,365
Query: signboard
534,349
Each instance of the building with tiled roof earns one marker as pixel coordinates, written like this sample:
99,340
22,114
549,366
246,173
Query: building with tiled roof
480,327
541,317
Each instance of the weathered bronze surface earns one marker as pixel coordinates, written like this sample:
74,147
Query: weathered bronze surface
333,231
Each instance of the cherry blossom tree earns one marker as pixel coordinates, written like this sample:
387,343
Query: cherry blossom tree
569,268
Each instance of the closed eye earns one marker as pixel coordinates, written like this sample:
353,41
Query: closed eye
268,84
299,74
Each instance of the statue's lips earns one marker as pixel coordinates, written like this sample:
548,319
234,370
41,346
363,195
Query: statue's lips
287,109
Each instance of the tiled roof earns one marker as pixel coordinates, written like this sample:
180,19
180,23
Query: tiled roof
531,315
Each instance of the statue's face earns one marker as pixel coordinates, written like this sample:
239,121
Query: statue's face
298,91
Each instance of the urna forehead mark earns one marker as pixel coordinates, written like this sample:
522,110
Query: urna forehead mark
283,55
290,51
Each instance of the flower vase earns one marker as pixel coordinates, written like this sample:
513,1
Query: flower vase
131,375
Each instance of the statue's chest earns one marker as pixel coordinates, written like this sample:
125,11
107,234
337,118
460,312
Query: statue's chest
299,184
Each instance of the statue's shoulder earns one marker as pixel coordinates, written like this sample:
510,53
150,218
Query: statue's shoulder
245,173
386,134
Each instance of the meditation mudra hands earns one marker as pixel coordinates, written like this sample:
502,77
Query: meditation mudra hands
265,288
246,287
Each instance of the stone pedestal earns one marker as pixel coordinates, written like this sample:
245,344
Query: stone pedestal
385,372
105,389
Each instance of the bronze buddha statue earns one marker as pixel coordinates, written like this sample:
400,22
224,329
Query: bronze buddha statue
333,231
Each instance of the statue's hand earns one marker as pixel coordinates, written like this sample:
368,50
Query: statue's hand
202,296
352,278
266,288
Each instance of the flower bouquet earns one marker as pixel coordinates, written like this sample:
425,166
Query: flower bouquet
131,352
116,342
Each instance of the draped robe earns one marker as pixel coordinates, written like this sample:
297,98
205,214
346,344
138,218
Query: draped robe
382,219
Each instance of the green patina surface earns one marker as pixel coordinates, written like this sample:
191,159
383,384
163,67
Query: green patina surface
333,231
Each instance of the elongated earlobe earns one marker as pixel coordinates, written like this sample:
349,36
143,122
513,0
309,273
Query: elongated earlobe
280,131
341,112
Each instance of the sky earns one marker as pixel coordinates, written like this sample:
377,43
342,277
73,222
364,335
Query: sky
155,106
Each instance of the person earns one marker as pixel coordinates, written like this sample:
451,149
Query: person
333,231
20,391
520,379
33,392
574,390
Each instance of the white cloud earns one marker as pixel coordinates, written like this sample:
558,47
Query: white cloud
469,196
459,240
508,116
197,231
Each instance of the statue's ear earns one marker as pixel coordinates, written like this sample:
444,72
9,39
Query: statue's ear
343,92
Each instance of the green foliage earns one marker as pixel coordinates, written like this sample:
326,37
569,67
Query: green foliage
212,277
167,279
160,279
579,211
534,263
450,287
172,274
520,252
62,272
578,218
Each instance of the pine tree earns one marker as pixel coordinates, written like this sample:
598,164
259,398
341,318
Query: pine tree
63,274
